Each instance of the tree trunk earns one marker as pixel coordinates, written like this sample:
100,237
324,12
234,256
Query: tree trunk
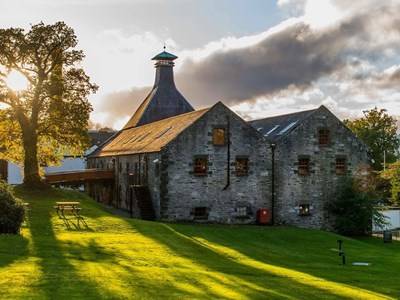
31,165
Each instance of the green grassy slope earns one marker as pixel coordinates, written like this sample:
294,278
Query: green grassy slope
114,257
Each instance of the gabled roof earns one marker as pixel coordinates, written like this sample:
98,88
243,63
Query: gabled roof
150,137
276,127
98,137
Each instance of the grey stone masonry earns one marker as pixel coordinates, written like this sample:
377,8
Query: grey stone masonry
314,190
226,198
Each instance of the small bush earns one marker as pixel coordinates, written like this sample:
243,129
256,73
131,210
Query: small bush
11,211
354,210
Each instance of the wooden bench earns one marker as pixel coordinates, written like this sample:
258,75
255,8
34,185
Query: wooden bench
73,207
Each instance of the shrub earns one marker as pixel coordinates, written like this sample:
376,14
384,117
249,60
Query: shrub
354,210
11,211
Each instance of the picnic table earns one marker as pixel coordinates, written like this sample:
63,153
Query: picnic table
73,207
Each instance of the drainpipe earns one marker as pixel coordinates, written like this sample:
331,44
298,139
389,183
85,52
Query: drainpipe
273,146
228,154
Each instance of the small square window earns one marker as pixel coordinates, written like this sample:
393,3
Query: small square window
323,137
242,166
241,211
200,166
304,209
304,166
340,166
200,213
219,137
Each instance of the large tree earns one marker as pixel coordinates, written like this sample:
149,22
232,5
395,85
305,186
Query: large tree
378,130
50,115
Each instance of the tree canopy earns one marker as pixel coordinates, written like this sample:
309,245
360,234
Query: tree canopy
378,130
39,123
392,174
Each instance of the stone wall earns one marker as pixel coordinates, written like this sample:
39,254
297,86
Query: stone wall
181,190
317,188
121,193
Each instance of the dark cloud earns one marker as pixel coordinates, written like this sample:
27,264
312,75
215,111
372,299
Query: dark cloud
122,103
293,58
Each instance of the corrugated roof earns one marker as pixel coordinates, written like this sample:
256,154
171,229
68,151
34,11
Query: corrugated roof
150,137
274,128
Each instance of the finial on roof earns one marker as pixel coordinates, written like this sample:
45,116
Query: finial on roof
165,55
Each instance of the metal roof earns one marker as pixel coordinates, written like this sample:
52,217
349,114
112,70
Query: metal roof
164,56
150,137
275,127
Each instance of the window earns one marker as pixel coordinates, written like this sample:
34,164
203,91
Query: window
340,166
120,167
127,167
304,209
200,166
304,166
218,137
200,213
242,211
242,166
323,137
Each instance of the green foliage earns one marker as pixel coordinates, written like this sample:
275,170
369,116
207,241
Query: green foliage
378,131
50,117
354,210
392,175
11,211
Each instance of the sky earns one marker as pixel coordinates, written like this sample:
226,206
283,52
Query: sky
259,57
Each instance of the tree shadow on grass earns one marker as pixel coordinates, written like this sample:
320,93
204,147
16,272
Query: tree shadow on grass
254,279
246,281
312,254
12,248
60,279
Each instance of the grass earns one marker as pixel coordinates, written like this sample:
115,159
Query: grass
118,258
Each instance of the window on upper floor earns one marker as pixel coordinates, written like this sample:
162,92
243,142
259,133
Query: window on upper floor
242,166
340,166
200,165
304,166
219,136
323,137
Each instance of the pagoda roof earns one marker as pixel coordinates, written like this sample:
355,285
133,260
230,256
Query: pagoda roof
164,56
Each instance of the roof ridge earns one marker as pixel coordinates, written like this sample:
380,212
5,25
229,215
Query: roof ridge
285,115
168,119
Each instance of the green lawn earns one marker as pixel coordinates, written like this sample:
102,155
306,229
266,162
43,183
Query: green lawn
115,257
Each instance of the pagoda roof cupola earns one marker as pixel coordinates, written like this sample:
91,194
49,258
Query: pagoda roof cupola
164,100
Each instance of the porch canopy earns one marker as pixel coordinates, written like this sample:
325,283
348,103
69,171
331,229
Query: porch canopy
79,176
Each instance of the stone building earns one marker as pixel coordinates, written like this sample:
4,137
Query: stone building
174,163
313,150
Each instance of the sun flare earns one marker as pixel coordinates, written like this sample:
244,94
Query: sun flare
16,81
